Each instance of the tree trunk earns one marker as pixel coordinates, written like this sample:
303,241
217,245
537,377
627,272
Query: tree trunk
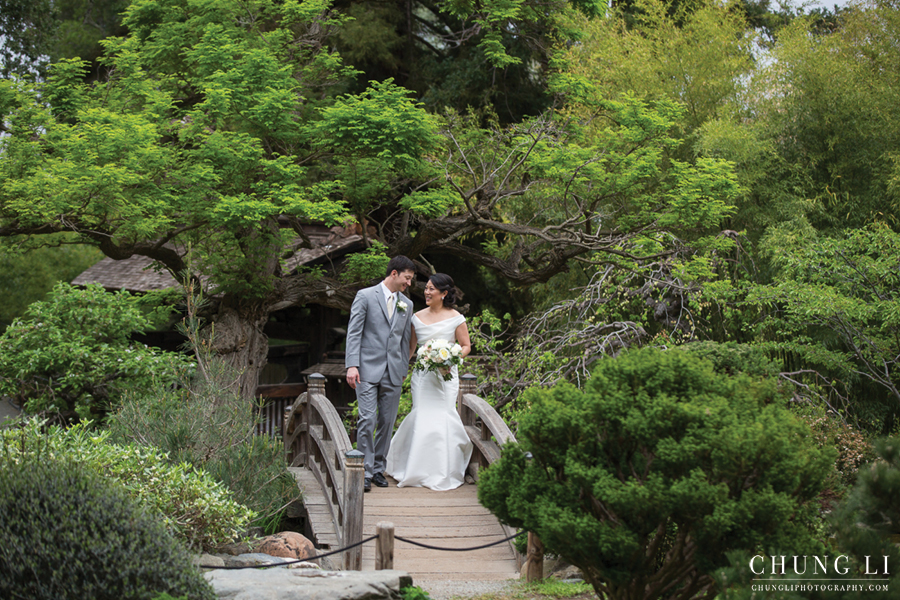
239,340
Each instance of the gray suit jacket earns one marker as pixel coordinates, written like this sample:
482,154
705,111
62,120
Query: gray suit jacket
376,343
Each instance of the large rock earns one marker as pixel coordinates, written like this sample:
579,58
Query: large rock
287,544
307,584
255,559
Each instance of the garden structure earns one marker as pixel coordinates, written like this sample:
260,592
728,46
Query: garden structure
330,474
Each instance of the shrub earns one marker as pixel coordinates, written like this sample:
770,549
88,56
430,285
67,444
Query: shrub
195,508
178,422
71,356
647,478
69,534
866,528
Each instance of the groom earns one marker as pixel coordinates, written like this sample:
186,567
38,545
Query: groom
377,361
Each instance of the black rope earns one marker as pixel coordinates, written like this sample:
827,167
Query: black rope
421,545
293,562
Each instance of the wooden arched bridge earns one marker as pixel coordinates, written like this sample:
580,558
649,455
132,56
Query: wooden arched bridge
330,474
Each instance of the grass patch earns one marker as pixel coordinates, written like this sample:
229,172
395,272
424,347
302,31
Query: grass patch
544,590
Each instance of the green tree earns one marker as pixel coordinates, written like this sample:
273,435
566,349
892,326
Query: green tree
71,356
459,54
220,132
696,58
865,525
834,304
26,30
816,133
195,139
28,277
648,476
37,32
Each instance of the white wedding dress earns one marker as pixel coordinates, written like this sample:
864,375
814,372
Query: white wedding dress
431,447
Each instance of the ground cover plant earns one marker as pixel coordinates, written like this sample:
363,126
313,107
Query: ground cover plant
194,507
178,421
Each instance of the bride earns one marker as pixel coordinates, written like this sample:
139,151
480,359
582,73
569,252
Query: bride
431,447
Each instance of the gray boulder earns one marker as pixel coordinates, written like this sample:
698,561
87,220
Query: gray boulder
307,584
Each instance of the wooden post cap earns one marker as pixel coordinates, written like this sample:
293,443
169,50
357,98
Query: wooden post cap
316,384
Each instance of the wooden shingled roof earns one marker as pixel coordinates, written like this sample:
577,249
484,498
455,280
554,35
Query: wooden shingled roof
136,274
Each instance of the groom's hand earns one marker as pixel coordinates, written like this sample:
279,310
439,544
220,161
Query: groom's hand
352,377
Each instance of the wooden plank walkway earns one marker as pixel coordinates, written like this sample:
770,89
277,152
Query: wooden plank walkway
451,519
316,506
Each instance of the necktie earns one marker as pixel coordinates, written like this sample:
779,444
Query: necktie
390,306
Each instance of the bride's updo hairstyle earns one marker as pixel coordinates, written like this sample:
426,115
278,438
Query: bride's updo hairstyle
444,283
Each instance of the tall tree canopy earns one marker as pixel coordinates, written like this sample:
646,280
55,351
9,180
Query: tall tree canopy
36,32
218,128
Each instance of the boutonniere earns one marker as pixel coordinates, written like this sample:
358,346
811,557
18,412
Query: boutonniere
402,306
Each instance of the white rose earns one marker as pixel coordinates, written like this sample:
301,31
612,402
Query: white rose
444,354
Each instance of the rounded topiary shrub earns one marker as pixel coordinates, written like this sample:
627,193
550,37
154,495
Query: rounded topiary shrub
68,534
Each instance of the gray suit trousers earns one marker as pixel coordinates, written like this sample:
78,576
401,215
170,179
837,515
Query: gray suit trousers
378,405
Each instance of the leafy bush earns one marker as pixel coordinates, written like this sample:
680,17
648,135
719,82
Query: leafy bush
829,430
852,444
645,479
70,534
71,356
178,422
414,593
194,507
366,266
866,527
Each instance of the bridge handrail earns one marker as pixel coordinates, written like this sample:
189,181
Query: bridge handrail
493,431
315,438
486,439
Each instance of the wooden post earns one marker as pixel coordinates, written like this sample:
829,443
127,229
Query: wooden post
384,546
287,429
534,559
316,384
354,476
534,555
466,386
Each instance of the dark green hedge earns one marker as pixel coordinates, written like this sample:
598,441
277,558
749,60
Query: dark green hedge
68,534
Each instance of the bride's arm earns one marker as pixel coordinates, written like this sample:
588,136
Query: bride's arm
412,343
462,338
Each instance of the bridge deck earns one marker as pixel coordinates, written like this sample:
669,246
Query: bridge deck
451,519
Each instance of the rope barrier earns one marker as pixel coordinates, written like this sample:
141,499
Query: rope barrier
368,539
299,560
421,545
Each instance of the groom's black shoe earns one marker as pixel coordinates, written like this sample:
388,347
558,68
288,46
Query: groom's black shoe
379,480
367,484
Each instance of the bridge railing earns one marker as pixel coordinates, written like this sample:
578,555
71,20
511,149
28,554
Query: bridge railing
488,432
315,438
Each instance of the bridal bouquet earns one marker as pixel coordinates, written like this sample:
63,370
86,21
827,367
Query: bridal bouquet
438,355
